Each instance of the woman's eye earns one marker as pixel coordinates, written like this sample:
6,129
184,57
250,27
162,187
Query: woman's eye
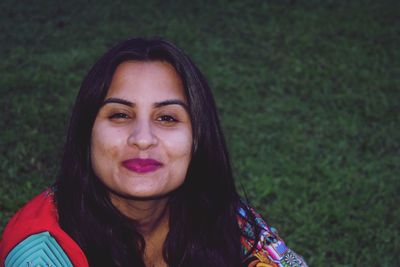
119,116
167,119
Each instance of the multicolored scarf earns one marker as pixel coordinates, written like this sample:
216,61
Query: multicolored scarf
270,250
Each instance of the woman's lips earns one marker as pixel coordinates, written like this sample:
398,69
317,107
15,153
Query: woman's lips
142,165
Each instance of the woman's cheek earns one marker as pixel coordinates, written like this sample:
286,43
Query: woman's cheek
106,142
179,144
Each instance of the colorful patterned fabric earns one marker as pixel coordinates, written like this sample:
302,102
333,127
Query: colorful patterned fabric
270,250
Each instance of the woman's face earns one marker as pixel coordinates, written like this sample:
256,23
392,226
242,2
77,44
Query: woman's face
142,136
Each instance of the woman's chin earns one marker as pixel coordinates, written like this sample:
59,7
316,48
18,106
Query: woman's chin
140,195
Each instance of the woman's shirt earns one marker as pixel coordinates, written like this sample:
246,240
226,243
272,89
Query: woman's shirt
270,250
33,237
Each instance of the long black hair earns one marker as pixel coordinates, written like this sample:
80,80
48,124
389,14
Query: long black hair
203,211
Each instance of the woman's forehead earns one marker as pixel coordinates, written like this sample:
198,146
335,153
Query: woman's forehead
152,81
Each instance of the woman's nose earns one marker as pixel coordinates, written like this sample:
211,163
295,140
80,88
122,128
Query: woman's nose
142,135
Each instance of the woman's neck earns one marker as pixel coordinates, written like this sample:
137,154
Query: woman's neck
152,222
148,214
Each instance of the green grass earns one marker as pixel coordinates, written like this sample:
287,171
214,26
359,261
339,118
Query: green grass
308,93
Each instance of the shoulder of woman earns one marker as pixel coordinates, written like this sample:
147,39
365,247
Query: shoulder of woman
39,249
261,243
33,229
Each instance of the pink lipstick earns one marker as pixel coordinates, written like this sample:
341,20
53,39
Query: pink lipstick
142,165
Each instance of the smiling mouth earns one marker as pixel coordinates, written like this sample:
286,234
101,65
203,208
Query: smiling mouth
139,165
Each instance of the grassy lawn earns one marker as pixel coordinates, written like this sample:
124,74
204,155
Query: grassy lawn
308,93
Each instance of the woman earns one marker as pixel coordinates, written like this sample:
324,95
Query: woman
145,178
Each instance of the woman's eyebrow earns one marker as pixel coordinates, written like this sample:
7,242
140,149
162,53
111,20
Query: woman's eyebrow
171,102
118,101
156,105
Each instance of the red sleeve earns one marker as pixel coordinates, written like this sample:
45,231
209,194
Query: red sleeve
37,216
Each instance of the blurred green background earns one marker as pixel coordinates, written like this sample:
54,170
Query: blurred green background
308,93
